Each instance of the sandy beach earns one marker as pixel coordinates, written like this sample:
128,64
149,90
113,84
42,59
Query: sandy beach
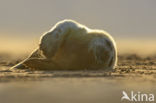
133,73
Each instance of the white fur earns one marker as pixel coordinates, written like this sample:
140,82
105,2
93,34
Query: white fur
61,28
99,42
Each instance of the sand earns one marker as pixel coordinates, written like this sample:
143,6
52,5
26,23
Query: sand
133,73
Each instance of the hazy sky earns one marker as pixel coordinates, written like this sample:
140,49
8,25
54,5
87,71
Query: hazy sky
121,18
22,22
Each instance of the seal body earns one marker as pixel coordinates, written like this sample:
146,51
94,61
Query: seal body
73,46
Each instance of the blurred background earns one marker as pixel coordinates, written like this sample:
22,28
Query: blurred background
132,23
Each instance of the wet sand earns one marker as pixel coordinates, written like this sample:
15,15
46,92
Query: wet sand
133,73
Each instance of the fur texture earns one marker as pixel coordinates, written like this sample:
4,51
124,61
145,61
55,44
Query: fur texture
72,46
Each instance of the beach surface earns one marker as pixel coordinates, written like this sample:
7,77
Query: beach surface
133,73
